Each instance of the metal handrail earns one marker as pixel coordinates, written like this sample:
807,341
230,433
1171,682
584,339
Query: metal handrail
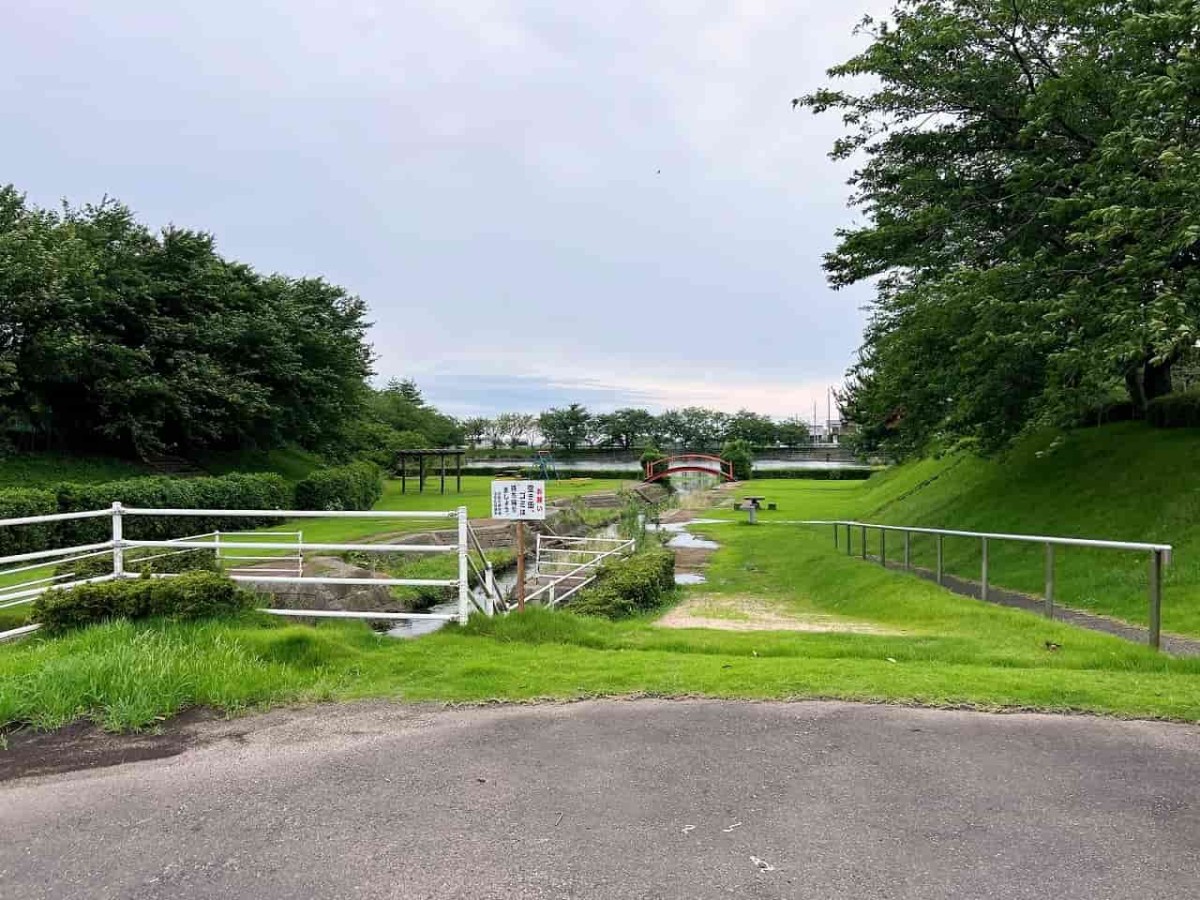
1160,556
626,545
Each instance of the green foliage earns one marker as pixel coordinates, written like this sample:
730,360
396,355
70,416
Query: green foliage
17,503
355,486
1180,410
624,428
629,586
693,428
1029,176
154,560
741,454
566,428
194,595
650,455
755,429
793,432
856,473
111,334
259,491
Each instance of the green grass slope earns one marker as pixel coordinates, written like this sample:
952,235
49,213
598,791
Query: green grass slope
1123,482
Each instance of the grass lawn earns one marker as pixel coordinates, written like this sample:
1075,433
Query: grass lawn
946,650
1122,482
44,470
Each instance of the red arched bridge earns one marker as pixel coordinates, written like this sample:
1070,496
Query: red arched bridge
689,462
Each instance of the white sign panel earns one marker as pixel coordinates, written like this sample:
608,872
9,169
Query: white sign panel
518,499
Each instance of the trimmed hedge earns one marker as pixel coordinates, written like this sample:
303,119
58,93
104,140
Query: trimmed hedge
16,503
1180,410
629,586
259,491
356,486
848,474
195,595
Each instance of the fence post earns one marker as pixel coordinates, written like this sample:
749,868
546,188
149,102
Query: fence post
1156,567
1049,581
463,584
883,548
864,542
983,580
836,542
217,548
908,550
118,537
939,559
849,539
489,587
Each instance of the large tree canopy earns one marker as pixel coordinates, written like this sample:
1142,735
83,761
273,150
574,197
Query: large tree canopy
1030,175
110,333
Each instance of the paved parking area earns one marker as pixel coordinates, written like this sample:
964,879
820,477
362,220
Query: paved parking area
654,799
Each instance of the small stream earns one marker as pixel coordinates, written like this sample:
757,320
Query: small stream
507,579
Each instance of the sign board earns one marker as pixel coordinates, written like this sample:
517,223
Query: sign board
518,500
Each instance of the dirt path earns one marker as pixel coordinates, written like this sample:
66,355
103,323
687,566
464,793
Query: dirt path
738,613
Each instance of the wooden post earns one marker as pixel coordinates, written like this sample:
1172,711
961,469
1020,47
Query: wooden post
458,471
443,458
520,566
403,474
421,473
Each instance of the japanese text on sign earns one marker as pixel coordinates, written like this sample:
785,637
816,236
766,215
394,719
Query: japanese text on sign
518,499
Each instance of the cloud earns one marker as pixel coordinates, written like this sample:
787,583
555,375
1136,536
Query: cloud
615,199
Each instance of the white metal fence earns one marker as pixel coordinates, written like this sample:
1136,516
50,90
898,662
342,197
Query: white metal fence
285,551
564,565
1159,557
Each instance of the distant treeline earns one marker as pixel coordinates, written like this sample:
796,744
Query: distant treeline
573,428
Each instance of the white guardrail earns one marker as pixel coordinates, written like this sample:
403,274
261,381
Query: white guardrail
568,564
229,546
1160,556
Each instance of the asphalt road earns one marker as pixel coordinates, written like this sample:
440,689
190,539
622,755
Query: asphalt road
624,800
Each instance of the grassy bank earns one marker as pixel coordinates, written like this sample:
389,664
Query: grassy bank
1124,482
934,648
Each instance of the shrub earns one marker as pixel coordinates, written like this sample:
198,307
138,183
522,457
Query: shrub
195,595
741,454
17,503
629,586
258,491
1180,410
356,486
857,473
159,561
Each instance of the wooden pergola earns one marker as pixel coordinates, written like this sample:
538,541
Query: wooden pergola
441,454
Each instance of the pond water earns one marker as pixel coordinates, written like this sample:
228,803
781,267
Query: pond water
601,465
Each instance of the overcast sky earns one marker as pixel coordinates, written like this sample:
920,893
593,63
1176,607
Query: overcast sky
541,202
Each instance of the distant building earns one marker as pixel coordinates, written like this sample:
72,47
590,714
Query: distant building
831,431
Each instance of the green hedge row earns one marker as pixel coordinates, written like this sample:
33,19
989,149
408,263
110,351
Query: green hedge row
356,486
194,595
854,474
628,586
262,491
1180,410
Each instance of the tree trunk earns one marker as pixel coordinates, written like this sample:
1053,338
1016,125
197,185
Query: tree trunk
1146,380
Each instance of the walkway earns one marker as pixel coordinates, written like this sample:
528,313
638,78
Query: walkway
645,799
